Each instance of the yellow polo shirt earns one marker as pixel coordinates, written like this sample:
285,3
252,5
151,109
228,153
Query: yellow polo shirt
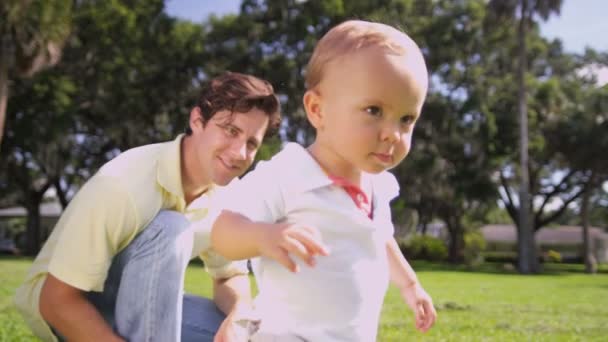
118,202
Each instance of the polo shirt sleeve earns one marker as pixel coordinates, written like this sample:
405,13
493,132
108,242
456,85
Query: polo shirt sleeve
219,267
216,265
99,221
388,189
258,195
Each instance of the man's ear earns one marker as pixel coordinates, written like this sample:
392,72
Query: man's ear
312,106
197,122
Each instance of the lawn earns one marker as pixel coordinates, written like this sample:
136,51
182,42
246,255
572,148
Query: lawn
561,305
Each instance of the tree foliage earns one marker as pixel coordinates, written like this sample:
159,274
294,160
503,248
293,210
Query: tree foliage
128,76
32,34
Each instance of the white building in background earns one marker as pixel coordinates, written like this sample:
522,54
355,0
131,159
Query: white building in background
49,214
501,241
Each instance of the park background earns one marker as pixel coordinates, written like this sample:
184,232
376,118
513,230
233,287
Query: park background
514,83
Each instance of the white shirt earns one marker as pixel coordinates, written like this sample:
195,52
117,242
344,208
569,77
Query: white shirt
340,299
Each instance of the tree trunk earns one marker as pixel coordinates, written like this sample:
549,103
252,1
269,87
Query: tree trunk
61,195
527,260
588,253
33,232
456,247
456,244
3,90
33,226
424,227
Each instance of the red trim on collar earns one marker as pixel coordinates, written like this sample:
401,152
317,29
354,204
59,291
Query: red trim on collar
355,193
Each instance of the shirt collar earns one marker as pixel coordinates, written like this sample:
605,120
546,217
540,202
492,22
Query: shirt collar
301,169
169,175
305,174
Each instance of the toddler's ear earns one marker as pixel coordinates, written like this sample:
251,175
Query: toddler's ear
312,106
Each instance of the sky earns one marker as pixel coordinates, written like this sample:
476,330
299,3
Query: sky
581,22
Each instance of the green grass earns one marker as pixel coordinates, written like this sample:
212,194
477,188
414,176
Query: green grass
487,305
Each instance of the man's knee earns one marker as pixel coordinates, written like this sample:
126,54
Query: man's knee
168,224
168,232
175,231
170,220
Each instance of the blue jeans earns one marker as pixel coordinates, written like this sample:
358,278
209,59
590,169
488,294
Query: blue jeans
143,298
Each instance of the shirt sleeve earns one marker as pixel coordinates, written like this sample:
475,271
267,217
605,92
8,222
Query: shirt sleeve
219,267
99,221
388,189
257,197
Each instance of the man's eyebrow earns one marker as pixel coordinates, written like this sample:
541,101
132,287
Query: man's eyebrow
232,125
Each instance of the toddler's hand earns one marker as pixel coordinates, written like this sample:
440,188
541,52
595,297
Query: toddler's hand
421,303
282,239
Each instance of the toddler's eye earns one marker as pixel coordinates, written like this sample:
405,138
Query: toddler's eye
374,110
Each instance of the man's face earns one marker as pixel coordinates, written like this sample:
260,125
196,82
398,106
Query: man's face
226,145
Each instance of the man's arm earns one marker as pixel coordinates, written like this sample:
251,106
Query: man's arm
233,297
275,241
95,223
67,310
232,293
405,279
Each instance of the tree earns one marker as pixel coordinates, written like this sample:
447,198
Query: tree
448,173
528,261
128,76
550,181
581,141
32,34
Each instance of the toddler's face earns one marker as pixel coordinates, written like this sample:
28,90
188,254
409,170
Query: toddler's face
370,102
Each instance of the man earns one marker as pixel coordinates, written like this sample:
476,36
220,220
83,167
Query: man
113,267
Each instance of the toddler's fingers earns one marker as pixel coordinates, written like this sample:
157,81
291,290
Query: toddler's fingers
421,317
313,244
296,247
283,258
320,247
431,314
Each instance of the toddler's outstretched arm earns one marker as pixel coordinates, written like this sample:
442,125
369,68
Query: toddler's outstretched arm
236,237
404,277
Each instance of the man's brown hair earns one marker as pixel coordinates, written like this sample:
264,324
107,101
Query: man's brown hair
239,93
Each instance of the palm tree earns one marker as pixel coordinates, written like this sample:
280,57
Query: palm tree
528,9
32,34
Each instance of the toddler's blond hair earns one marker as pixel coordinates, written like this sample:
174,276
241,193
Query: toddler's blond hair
350,36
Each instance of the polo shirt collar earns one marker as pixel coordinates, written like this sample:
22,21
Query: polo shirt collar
305,174
169,175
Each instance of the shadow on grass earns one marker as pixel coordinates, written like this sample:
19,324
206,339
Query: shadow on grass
196,262
16,257
503,268
427,266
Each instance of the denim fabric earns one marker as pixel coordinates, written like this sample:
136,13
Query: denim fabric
201,319
143,297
